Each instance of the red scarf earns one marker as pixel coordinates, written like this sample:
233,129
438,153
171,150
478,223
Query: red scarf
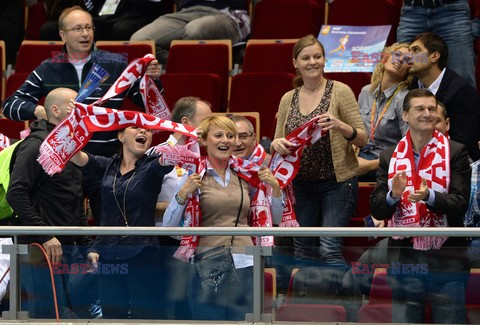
285,168
434,167
74,132
4,141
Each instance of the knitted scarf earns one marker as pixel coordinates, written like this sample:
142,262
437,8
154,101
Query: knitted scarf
434,167
74,132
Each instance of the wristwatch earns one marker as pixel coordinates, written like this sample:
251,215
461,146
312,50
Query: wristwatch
179,199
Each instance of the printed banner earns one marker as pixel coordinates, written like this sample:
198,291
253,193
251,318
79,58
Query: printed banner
353,48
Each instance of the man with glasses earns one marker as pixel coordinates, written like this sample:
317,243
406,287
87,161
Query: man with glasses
68,69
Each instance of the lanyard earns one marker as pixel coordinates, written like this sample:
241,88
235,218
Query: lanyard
373,125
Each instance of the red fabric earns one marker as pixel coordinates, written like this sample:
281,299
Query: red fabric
202,58
268,57
277,19
207,86
31,55
311,313
11,128
369,13
260,92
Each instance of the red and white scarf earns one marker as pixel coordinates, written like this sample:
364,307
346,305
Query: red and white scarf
74,132
285,168
4,141
434,167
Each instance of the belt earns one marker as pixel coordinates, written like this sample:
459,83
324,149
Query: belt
427,3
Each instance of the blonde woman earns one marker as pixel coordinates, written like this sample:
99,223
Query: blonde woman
381,108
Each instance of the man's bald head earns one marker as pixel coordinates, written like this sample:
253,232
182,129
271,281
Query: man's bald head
57,104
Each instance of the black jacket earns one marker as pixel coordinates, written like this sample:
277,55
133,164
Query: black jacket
463,108
40,200
454,204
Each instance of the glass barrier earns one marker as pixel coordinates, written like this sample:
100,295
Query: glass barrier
379,279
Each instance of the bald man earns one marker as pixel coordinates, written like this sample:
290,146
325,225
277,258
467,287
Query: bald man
40,200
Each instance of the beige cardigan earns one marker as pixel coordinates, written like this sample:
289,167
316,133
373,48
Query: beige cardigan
343,106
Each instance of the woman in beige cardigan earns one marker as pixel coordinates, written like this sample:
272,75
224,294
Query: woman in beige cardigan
326,185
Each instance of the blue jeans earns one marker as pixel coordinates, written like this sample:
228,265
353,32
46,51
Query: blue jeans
452,23
229,303
447,299
323,204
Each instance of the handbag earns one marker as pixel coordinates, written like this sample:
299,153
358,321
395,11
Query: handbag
215,267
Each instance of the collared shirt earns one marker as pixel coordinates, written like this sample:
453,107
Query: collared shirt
472,217
391,127
431,193
435,85
135,199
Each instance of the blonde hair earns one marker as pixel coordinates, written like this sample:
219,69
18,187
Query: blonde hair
298,47
380,68
221,122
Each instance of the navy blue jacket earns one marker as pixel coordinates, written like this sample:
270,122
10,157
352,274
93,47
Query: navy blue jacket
58,72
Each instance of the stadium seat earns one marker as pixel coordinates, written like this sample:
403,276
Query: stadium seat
311,313
277,19
375,313
32,53
129,49
269,56
472,297
259,92
11,128
369,13
212,56
363,202
355,80
14,82
2,69
270,281
35,17
207,86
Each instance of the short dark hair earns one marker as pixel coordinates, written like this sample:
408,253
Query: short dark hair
444,109
416,93
434,43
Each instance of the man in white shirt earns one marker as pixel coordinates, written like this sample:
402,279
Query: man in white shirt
429,55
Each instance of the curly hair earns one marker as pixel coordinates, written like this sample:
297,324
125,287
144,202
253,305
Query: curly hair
380,68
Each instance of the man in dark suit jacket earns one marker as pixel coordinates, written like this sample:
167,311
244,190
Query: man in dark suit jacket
442,274
428,63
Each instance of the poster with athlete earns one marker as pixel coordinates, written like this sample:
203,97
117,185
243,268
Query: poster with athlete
353,48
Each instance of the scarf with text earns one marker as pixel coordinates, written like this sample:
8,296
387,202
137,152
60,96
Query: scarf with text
434,167
74,132
285,168
4,141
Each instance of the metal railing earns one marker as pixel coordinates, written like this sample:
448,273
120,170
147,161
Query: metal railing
258,252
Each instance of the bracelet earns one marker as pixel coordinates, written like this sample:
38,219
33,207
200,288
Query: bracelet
179,199
353,136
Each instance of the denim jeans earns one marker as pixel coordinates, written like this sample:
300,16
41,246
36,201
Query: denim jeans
229,303
323,204
411,293
452,23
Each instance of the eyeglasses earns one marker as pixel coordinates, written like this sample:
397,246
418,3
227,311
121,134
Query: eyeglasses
79,29
244,136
